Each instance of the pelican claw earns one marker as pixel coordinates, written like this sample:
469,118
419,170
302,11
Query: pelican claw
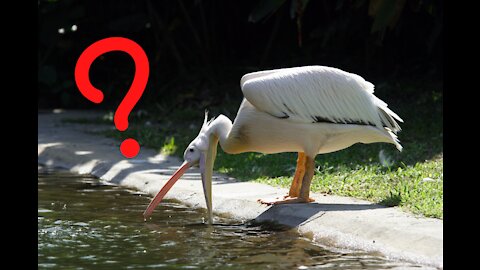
286,199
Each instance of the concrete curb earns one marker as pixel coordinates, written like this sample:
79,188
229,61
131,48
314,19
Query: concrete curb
334,221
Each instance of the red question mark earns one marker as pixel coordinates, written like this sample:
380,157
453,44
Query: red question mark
129,147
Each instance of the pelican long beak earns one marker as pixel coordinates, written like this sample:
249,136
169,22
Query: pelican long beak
158,198
206,162
207,184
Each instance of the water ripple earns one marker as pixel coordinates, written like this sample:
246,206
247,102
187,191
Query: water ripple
84,224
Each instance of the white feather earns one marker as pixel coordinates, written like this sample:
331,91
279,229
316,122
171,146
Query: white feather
307,93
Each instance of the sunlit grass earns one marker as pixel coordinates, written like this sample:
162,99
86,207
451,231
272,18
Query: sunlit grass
169,146
417,188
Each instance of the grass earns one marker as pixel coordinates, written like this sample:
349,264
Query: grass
411,179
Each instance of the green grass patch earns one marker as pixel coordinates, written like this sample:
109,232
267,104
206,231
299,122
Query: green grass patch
412,179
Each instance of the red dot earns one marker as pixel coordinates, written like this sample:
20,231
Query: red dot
130,148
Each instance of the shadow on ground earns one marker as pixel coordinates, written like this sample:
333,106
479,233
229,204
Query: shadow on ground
294,215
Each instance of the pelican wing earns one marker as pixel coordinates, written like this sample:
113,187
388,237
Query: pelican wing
317,94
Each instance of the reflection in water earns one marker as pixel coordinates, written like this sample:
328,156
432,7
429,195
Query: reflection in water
84,224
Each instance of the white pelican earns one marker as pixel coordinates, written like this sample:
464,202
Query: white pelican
309,110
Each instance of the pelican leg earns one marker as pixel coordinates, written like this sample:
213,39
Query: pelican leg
303,190
307,180
297,179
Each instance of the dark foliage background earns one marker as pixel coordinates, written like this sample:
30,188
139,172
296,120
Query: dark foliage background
198,50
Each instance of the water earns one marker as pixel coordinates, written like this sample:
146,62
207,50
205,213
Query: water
84,224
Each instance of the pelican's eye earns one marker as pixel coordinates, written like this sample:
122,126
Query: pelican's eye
191,150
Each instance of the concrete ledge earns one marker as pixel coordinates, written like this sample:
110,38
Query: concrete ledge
334,221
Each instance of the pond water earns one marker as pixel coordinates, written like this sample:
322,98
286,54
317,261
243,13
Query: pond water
86,224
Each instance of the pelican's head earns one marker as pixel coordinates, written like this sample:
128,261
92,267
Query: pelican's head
200,152
198,146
